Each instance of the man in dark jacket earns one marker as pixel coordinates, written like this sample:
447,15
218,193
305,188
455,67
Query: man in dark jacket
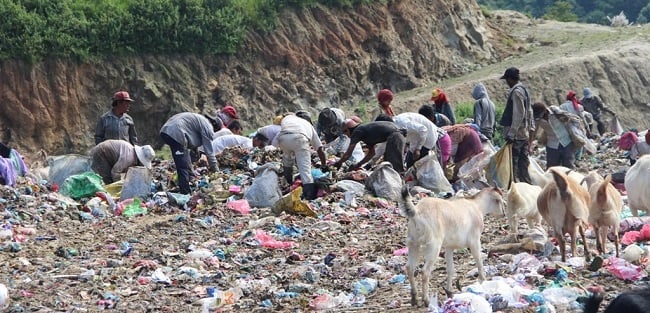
518,124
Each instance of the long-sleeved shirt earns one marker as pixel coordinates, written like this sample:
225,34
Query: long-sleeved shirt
293,124
420,131
110,126
594,105
223,142
521,114
117,152
271,133
568,106
484,110
554,130
192,130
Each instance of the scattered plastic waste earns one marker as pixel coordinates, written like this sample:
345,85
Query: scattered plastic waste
364,286
624,270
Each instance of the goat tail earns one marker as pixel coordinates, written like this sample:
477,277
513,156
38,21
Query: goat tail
593,302
408,208
601,195
561,182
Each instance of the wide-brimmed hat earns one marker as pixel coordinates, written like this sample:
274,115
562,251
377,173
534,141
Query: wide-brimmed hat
145,154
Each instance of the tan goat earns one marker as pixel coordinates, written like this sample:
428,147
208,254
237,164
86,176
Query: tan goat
564,205
453,224
604,211
522,202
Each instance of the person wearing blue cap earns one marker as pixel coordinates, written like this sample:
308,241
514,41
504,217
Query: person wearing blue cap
594,105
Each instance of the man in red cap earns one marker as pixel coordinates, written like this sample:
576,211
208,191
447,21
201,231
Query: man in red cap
116,123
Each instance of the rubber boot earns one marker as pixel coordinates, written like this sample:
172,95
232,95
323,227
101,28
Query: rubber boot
288,174
309,191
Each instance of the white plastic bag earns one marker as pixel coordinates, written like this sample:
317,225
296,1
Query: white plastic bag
265,190
137,183
430,175
385,182
64,166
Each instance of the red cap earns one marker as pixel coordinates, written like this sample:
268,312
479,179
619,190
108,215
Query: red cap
121,96
230,111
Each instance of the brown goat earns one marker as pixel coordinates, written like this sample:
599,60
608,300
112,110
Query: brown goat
604,211
564,205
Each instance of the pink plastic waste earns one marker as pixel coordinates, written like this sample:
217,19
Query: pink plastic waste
267,241
624,270
630,237
240,206
644,234
323,302
234,189
403,251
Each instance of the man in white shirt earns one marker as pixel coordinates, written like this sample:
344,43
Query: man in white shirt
295,138
421,135
221,143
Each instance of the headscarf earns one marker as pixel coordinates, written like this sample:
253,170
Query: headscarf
438,96
386,96
571,95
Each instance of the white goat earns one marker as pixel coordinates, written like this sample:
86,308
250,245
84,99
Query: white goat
604,211
542,180
592,178
637,185
564,205
522,202
453,224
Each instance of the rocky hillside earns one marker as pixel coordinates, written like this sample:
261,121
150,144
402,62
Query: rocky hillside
320,57
316,58
556,57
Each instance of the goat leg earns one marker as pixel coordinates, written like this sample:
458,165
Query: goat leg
599,240
584,242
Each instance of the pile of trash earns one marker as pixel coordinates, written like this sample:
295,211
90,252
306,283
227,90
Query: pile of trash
228,249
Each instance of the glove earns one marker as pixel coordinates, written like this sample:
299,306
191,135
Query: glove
325,168
509,140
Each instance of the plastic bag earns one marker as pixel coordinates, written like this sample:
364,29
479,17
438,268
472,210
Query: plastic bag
500,172
134,208
430,175
615,126
291,203
82,185
240,206
385,182
64,166
265,190
350,185
137,183
267,241
624,270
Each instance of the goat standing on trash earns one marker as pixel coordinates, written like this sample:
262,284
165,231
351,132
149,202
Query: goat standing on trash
453,224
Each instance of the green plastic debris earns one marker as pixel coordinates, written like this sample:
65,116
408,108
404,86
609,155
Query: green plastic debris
134,208
82,185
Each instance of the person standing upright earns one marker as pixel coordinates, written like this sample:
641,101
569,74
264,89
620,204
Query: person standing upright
484,111
518,123
116,123
384,98
441,105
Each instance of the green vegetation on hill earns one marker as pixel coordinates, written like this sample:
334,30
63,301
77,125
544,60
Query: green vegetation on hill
586,11
33,30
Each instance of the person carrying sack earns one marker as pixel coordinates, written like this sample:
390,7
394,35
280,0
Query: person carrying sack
518,124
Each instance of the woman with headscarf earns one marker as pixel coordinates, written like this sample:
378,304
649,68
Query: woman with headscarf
228,114
465,143
441,104
384,98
